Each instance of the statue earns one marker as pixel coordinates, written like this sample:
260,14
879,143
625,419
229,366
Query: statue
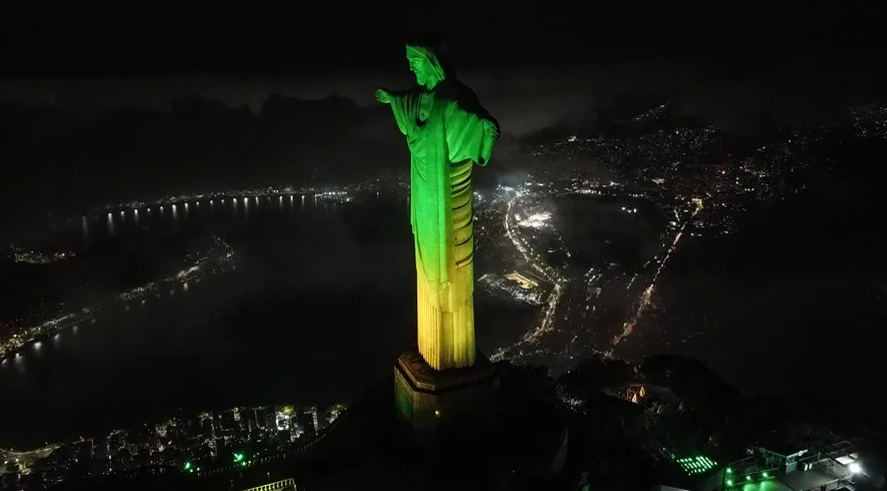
447,131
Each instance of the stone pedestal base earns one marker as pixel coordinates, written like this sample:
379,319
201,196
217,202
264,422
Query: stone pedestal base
446,405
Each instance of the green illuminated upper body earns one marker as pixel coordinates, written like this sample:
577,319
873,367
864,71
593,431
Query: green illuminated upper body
446,128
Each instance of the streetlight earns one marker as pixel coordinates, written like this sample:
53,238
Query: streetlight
855,468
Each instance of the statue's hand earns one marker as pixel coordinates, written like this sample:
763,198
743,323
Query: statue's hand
383,96
492,128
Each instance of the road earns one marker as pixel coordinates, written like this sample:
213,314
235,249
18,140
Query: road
578,317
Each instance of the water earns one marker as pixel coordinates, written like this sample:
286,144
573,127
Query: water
320,303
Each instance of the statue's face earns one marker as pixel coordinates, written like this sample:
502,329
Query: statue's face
420,66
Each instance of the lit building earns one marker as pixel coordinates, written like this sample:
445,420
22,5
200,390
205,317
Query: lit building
822,468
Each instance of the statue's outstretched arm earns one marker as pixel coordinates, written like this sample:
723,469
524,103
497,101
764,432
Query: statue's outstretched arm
387,96
383,95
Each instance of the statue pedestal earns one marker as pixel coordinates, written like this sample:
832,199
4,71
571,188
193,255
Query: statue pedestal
446,406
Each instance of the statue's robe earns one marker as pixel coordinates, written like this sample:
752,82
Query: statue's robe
445,132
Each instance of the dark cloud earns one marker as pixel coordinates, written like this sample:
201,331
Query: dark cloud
798,89
524,97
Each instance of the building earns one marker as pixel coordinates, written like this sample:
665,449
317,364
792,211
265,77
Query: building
772,468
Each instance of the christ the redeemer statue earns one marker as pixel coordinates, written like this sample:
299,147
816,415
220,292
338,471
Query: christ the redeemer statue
448,132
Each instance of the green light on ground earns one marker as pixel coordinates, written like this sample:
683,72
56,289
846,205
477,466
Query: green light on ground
696,465
238,457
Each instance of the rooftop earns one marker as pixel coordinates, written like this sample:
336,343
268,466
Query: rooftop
765,485
813,478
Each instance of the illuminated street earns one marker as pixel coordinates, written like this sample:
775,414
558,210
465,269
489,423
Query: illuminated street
574,320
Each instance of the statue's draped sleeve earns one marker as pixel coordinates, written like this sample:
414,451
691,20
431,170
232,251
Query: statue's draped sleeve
405,106
467,138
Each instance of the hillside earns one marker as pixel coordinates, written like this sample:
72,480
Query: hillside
109,267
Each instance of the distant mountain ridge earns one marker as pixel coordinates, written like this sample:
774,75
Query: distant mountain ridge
626,117
197,145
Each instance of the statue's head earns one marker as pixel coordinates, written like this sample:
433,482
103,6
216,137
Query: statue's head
426,56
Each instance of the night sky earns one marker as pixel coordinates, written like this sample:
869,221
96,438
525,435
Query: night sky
250,38
142,53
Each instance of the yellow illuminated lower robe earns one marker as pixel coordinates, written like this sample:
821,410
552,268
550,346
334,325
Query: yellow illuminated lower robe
446,309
